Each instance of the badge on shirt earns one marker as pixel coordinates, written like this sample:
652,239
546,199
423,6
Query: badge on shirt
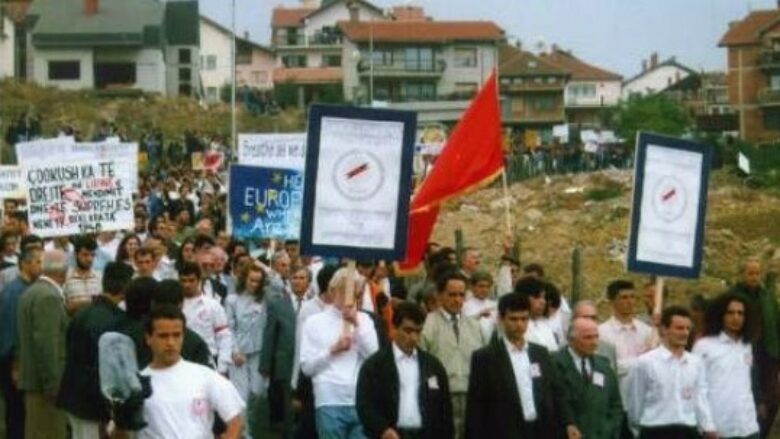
687,393
536,372
598,379
200,406
433,383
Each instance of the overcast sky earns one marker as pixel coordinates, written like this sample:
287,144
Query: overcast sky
614,34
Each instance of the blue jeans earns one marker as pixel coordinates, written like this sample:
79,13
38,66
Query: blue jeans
338,422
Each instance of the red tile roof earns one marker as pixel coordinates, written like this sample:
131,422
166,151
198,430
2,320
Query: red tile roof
289,17
517,62
409,13
579,69
308,75
749,29
421,32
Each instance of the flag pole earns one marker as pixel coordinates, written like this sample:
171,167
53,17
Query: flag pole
504,178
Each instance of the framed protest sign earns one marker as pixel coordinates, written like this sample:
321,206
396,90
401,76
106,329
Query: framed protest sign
671,177
11,183
357,182
287,151
78,197
264,202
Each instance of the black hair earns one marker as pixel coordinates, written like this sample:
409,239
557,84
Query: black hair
409,311
164,311
445,278
117,277
534,268
189,269
513,302
616,286
29,240
324,276
672,311
121,251
84,242
716,310
530,286
138,297
168,292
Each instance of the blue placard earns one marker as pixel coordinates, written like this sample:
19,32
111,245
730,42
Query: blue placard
669,206
358,182
265,202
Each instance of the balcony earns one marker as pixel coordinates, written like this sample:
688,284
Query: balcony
401,69
769,60
769,97
318,40
532,87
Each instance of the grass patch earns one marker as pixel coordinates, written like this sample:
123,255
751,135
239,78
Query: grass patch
604,192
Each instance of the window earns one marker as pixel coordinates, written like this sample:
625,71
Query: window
518,81
382,57
419,59
331,60
211,62
506,81
259,76
552,80
465,89
64,70
465,57
294,61
771,118
543,103
292,36
185,74
185,89
774,82
185,56
417,91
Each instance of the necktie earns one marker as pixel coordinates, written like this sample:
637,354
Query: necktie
584,370
455,329
298,307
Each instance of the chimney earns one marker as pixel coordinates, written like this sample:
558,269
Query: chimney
654,60
354,11
90,7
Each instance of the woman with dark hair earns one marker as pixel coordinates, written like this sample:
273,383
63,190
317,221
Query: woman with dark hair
127,248
246,312
186,253
727,355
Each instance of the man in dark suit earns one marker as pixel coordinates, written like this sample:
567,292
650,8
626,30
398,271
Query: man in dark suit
403,391
42,323
513,388
278,353
80,394
592,395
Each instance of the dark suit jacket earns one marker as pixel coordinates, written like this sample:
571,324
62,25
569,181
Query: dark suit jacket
378,392
597,409
80,390
493,408
42,323
277,356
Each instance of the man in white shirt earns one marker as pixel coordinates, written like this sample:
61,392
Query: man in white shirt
667,387
83,283
630,336
539,329
478,305
403,391
206,317
727,354
334,345
185,395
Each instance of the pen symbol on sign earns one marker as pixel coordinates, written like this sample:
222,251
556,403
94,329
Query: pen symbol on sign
357,171
667,196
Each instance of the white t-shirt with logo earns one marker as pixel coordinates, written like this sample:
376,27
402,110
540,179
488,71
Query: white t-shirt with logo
184,399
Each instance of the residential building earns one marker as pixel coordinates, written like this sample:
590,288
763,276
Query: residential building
532,94
753,75
432,67
13,33
589,91
308,46
255,64
656,77
143,45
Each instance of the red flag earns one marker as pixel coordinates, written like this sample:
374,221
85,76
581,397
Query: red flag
420,227
472,156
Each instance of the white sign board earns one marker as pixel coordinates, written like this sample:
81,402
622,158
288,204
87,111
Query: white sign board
561,132
11,186
78,197
286,151
64,149
670,190
744,163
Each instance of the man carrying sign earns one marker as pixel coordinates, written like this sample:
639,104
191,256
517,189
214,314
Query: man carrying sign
332,357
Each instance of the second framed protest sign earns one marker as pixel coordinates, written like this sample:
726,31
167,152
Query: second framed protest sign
357,182
669,206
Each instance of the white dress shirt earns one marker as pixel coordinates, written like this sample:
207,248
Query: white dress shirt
664,390
473,307
630,340
729,392
334,377
409,385
540,332
523,371
206,317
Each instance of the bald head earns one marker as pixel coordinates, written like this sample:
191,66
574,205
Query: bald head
55,265
751,272
583,336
